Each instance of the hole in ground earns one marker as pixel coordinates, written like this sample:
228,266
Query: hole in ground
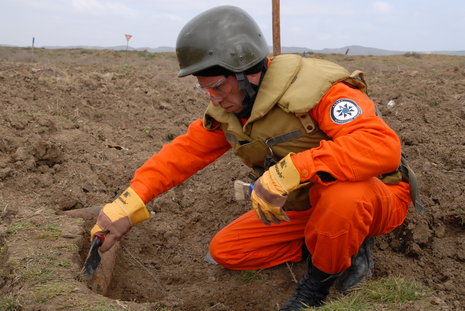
164,268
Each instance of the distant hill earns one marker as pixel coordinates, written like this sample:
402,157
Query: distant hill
459,53
362,50
359,50
161,49
350,50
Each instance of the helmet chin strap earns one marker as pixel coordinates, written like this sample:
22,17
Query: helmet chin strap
250,92
244,84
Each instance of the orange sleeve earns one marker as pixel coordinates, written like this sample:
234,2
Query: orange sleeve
362,145
179,160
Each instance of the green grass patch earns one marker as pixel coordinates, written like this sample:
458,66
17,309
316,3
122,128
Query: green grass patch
17,227
49,232
103,306
36,275
45,292
10,303
124,68
98,116
386,294
83,52
148,130
15,263
65,263
47,235
170,136
251,275
53,259
68,247
51,228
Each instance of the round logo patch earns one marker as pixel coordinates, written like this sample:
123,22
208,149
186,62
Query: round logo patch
344,110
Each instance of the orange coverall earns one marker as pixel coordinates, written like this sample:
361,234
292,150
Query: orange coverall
342,212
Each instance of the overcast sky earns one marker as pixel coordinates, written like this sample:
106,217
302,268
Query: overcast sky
406,25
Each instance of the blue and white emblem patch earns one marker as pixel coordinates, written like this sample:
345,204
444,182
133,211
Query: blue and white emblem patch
344,110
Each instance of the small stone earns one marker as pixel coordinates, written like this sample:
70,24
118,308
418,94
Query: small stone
414,250
68,235
5,172
383,245
391,104
22,154
461,251
437,301
440,231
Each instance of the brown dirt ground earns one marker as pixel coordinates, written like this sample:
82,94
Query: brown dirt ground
75,124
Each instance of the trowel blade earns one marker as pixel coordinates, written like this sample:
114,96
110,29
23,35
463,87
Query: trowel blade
93,258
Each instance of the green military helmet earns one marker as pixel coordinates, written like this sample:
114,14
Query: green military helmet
224,36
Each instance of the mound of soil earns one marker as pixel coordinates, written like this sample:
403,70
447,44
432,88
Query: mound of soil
75,124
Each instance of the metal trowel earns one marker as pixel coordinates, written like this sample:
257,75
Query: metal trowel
93,257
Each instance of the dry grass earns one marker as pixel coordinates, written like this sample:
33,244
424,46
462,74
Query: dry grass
384,294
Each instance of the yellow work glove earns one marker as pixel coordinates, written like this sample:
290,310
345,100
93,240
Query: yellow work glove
271,189
116,219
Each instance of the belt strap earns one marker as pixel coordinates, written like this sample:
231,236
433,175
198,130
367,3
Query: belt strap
283,138
270,141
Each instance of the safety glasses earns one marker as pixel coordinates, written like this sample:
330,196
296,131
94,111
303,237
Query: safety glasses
218,89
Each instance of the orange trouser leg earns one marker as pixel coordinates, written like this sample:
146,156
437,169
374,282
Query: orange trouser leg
247,244
345,213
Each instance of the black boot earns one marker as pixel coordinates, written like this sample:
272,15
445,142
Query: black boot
361,268
311,290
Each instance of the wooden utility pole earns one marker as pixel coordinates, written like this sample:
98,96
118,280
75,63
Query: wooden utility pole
276,29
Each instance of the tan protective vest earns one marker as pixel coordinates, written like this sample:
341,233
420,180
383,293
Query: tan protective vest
279,122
